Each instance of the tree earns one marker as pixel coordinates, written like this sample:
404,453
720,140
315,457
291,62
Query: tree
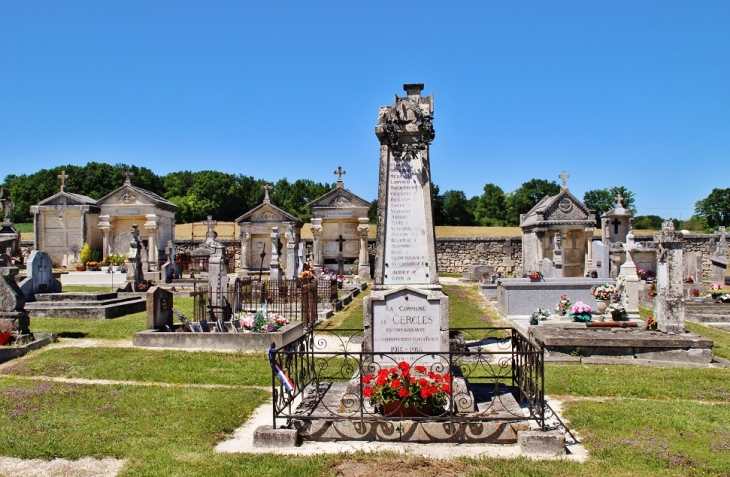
437,205
695,224
648,222
373,212
715,208
456,210
294,197
491,206
603,200
526,197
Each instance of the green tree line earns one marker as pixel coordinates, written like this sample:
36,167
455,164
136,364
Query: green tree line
226,196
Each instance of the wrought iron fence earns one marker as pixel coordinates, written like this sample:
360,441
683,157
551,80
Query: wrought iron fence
297,300
503,367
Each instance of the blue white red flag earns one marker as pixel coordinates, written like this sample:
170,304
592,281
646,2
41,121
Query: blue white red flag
283,377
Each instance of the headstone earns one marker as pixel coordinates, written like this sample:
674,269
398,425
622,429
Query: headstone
718,260
690,267
12,304
217,279
668,303
601,261
478,272
40,277
628,280
159,309
406,310
546,267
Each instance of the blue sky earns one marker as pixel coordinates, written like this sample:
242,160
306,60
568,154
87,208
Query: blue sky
614,92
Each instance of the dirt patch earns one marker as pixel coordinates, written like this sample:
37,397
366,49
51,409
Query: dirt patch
403,467
86,467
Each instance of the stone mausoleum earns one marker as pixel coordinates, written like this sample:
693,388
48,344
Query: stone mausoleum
128,206
340,229
556,234
269,237
63,222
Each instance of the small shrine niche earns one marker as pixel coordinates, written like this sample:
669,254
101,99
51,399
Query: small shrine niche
340,228
269,237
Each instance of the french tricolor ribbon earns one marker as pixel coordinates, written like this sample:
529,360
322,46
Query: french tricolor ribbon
283,377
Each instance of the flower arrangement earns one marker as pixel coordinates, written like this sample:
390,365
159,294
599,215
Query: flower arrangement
716,287
603,292
689,280
651,323
592,274
695,293
412,386
641,273
540,314
307,272
262,322
534,275
116,260
580,311
618,311
563,304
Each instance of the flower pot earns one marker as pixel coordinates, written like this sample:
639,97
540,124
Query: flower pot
601,305
81,268
4,338
398,409
116,268
581,317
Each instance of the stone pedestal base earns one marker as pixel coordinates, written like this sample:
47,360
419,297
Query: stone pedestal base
19,321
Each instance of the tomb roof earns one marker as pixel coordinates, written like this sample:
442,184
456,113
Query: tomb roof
561,209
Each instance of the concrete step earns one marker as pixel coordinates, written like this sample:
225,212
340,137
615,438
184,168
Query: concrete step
85,296
720,326
88,310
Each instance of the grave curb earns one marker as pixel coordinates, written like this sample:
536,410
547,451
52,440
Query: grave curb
267,436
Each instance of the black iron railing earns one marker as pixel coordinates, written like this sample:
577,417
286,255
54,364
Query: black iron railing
501,366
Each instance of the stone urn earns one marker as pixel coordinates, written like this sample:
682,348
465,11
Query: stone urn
601,306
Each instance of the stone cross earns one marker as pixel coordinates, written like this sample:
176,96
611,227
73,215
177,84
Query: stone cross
615,223
341,241
63,176
564,176
339,173
210,235
619,198
267,187
7,205
127,174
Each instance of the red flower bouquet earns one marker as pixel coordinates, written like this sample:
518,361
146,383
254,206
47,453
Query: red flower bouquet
411,386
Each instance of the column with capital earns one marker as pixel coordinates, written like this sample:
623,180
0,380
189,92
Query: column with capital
152,225
363,228
245,236
105,226
589,249
317,244
290,265
274,269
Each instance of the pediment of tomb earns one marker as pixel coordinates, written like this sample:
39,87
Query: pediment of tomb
561,209
67,199
129,195
269,213
339,198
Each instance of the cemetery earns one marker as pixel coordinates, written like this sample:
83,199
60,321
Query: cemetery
403,365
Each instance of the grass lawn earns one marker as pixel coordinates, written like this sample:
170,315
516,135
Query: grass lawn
635,421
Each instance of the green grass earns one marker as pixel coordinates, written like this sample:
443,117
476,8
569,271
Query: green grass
144,365
85,289
114,329
464,308
24,228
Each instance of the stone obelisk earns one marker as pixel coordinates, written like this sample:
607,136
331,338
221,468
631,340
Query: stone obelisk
406,312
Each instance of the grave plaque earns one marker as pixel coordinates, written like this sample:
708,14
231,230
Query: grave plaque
407,322
159,308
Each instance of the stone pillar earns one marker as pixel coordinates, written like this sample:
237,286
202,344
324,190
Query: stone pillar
12,304
291,268
629,280
363,228
217,277
245,246
668,303
317,244
558,255
589,249
274,269
718,260
36,229
105,226
152,226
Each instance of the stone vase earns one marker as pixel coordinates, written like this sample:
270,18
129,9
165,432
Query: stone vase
601,305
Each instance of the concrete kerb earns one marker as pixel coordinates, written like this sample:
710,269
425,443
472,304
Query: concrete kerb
243,441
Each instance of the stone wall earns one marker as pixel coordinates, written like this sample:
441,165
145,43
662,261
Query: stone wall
456,254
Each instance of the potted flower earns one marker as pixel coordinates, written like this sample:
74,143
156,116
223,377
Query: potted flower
116,261
105,264
540,314
618,311
716,290
307,272
592,274
603,294
84,257
651,323
340,280
563,304
534,276
262,322
407,391
6,331
641,273
580,312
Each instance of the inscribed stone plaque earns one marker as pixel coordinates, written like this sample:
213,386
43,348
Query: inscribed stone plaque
406,240
406,322
339,213
159,308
